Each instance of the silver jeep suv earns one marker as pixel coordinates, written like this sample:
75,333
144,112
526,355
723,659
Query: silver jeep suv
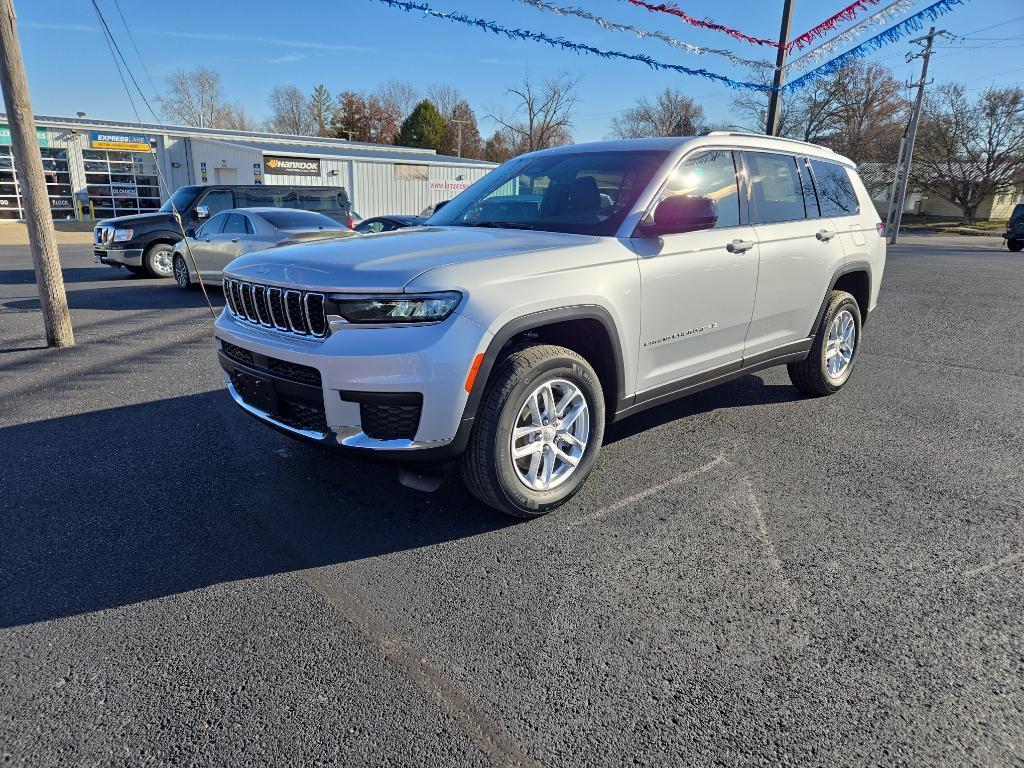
567,289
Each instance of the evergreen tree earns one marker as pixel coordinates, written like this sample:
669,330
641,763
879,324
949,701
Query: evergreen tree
424,127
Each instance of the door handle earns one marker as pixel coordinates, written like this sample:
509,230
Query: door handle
739,246
206,239
825,235
235,239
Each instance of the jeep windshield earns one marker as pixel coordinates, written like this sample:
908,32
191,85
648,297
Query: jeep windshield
180,200
587,193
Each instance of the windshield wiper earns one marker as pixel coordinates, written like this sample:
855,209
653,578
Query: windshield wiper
499,224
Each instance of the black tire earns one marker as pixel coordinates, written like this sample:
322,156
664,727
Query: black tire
1015,245
487,466
155,263
181,276
810,375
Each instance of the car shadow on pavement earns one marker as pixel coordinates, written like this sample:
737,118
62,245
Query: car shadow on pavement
71,275
128,504
150,294
745,391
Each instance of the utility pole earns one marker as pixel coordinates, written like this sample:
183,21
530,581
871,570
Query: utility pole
907,145
771,123
460,123
32,184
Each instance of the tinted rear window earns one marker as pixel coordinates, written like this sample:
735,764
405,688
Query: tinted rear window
775,184
294,219
835,190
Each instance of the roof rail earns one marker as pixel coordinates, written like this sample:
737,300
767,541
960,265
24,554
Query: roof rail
764,136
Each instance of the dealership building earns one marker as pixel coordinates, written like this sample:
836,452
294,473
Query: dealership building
98,169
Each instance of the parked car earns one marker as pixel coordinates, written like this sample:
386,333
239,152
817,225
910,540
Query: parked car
237,231
650,269
388,223
144,243
1014,234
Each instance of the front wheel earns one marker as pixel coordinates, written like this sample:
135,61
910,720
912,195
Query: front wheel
181,276
159,260
538,432
830,362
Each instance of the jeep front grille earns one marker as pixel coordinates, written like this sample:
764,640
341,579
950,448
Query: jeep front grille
300,312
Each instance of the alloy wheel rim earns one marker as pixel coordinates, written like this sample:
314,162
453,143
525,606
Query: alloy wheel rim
550,434
842,340
162,261
180,272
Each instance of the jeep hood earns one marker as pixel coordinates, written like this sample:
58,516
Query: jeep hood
390,260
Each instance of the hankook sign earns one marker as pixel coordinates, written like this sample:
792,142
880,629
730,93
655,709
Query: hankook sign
279,165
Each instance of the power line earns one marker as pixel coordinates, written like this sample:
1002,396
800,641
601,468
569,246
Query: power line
131,37
113,46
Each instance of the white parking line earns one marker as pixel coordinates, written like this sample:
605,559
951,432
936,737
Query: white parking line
1017,556
629,500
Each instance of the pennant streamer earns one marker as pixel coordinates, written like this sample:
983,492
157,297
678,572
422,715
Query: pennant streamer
849,13
560,42
541,5
877,19
891,35
672,10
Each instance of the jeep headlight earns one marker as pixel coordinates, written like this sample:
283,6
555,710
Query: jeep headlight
397,308
120,235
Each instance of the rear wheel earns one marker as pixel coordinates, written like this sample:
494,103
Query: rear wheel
1015,245
181,276
830,362
159,260
538,432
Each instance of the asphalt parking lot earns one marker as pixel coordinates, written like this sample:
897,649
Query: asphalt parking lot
749,577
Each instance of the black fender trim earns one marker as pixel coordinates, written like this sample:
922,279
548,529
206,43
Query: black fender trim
538,320
850,266
160,237
787,353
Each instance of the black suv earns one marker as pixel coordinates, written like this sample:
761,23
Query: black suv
1014,234
144,243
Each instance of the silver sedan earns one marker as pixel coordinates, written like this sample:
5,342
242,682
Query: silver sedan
237,231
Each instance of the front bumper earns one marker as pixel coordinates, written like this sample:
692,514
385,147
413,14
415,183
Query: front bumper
354,363
116,257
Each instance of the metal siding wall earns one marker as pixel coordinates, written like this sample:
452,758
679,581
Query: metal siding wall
215,155
376,192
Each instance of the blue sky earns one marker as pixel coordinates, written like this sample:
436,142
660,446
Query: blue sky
356,44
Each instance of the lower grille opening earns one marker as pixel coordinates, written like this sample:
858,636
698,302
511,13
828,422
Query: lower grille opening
388,415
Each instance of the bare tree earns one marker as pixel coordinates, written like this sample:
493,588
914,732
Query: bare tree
235,118
445,98
194,98
290,112
397,98
671,114
542,115
857,111
321,109
967,151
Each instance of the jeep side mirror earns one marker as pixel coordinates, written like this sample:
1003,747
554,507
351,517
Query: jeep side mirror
678,214
202,212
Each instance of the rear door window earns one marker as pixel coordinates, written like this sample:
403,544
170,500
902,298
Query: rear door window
775,187
835,190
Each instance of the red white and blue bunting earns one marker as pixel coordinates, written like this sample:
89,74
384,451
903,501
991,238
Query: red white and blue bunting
878,19
612,26
894,33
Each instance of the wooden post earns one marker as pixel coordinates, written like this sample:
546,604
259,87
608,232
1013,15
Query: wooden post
32,184
771,121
